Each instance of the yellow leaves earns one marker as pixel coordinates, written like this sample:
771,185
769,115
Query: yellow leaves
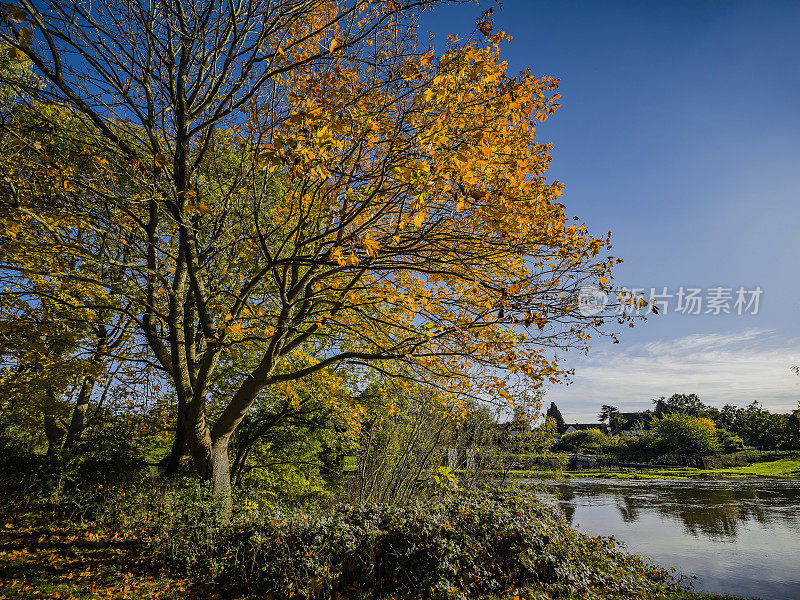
160,161
333,45
16,13
234,329
352,260
16,54
338,256
198,209
11,230
24,37
425,59
419,219
371,246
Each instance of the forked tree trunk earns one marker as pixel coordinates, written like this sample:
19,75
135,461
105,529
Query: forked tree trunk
78,421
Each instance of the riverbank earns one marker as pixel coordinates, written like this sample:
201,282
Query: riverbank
788,467
82,562
45,555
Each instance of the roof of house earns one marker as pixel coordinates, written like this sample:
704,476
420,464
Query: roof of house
636,416
581,426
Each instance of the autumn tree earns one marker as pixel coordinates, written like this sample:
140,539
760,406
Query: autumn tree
683,433
58,335
293,432
310,182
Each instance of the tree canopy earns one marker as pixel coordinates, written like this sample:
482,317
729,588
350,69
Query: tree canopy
261,190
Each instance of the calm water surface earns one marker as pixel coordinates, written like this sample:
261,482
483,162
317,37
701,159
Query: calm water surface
737,537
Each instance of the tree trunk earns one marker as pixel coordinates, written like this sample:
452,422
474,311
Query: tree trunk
178,457
54,435
78,421
221,477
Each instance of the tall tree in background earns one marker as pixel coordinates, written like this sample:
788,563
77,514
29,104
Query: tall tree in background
608,414
310,187
58,335
555,414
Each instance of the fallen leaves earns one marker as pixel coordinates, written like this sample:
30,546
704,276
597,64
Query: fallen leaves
40,558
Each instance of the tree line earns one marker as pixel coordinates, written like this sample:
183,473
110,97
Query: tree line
682,423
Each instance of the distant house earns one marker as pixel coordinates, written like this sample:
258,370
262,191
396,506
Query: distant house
631,423
584,426
629,432
632,417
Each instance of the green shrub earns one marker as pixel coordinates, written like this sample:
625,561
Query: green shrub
586,440
471,544
642,443
729,442
681,433
532,462
75,483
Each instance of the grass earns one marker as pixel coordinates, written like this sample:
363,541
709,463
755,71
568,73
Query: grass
697,596
677,473
66,560
784,467
634,474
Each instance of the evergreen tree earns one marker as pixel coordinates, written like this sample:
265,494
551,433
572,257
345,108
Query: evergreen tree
555,414
608,413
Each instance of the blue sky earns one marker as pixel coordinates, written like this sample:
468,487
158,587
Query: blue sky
680,133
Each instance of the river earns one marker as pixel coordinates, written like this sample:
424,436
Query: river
737,536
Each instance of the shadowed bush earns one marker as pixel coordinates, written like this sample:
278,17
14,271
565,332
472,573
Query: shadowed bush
471,544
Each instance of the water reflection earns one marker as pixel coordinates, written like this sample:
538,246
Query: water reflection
737,536
708,508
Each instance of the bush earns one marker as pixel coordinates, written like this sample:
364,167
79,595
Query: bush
643,443
533,462
587,440
729,442
76,482
681,433
471,544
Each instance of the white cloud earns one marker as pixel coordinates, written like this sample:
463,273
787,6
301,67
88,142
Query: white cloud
720,368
